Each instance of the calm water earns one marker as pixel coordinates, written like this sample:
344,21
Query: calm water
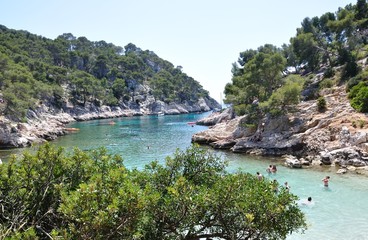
338,212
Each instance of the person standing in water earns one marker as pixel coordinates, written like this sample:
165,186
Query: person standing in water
326,180
260,177
287,186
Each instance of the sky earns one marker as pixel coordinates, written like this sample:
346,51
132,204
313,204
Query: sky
203,36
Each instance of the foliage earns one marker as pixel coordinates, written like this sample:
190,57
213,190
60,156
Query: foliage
325,42
326,83
329,72
91,195
321,104
90,71
284,97
259,75
359,97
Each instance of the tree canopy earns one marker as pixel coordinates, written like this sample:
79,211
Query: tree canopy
96,72
321,44
92,195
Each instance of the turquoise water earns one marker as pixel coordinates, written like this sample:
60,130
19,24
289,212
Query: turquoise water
338,212
139,140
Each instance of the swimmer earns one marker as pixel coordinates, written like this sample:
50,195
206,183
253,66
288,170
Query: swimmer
260,177
307,202
269,169
287,186
326,180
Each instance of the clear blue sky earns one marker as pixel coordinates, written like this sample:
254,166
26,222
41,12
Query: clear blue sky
203,36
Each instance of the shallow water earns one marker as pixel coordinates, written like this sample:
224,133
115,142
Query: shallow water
338,212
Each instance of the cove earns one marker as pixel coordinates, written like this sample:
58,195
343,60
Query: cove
339,211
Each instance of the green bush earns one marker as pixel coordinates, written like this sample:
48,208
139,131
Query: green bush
359,97
284,97
326,83
329,72
361,77
91,195
321,104
241,109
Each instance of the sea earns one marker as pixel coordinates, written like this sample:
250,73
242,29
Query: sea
339,211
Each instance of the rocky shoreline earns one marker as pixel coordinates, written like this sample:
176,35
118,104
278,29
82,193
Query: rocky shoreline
46,123
337,137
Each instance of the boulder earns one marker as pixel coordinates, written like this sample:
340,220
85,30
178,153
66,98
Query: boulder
326,158
221,131
359,138
292,162
217,117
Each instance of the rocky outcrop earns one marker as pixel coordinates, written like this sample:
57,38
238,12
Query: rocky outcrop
335,137
217,117
48,122
292,162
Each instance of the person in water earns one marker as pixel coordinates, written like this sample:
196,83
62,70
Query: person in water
326,180
269,169
274,169
287,186
308,201
260,177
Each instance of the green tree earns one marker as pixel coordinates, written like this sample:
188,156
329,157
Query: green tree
260,75
91,195
361,11
286,96
119,88
305,48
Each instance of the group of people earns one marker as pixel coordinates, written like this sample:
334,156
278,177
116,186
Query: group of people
273,169
270,169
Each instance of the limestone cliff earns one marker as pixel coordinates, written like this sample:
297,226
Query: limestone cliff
47,121
337,136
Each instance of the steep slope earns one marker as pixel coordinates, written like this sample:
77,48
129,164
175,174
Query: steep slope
46,83
337,136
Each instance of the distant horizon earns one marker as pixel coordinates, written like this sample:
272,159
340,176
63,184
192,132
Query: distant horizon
204,37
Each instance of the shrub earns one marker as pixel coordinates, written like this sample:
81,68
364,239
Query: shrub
285,96
91,195
241,109
361,123
326,83
321,104
329,72
359,97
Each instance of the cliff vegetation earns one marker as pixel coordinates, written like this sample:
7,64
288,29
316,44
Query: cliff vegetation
307,100
46,83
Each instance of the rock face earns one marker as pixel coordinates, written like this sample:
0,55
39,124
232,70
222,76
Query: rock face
338,136
48,122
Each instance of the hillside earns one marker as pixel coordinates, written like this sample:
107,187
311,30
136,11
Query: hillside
46,83
337,136
307,100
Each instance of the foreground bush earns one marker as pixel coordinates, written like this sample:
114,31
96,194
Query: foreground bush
92,195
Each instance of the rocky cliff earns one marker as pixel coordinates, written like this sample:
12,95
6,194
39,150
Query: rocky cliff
47,121
336,137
